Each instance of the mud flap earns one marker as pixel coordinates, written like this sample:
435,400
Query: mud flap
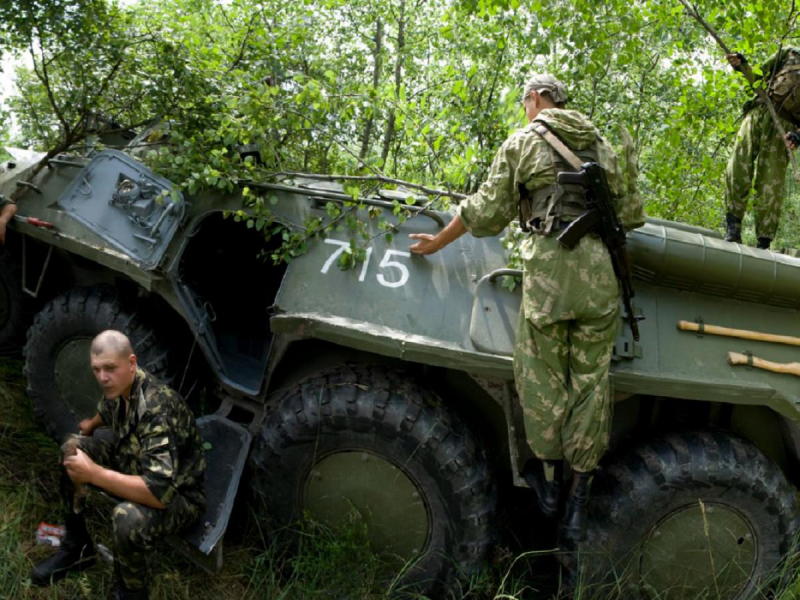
227,444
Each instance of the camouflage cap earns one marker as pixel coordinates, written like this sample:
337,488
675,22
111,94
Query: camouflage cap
548,83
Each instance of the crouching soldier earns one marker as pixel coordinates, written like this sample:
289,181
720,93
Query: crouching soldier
154,466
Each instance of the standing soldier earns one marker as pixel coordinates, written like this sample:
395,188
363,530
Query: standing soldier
154,465
570,299
759,151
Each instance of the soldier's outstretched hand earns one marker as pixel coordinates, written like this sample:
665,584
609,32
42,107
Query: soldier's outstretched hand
426,244
792,140
735,60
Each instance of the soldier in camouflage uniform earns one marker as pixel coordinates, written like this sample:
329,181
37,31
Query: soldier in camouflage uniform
7,211
154,465
570,298
761,153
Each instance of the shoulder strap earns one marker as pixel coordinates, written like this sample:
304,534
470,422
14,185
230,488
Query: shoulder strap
557,145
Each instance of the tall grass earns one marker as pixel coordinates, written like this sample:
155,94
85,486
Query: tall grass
259,564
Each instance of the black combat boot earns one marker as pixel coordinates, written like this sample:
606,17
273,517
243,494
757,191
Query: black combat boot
576,511
734,233
75,554
763,243
123,593
547,493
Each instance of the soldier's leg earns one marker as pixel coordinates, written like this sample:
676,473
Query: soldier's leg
76,551
99,450
587,423
137,528
741,165
770,181
541,361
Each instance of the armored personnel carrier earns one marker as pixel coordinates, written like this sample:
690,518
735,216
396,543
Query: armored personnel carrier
387,389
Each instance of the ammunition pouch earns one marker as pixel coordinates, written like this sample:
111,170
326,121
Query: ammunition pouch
541,209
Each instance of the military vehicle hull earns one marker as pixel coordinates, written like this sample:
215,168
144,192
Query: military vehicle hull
387,389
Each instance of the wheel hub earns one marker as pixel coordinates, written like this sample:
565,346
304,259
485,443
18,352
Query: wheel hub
704,548
380,493
76,385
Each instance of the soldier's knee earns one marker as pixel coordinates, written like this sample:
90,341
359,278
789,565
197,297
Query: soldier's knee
129,522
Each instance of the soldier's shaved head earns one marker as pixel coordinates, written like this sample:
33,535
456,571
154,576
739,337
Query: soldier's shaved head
112,341
113,363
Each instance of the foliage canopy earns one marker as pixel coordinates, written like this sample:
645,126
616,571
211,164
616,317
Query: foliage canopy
409,89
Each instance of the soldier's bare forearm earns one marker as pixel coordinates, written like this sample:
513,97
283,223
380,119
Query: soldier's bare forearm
7,213
128,487
428,244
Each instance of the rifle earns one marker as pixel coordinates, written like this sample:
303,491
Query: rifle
601,218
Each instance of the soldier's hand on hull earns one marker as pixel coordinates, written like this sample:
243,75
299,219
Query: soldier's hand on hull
7,212
428,244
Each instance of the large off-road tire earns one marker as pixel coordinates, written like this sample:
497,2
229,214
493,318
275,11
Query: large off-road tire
369,440
15,306
691,515
60,380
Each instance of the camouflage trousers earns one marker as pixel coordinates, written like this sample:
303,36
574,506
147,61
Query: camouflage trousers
136,527
565,335
760,153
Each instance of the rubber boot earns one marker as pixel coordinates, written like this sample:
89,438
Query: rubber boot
573,527
76,553
547,494
763,243
734,233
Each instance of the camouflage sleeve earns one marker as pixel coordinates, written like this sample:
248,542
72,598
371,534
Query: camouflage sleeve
488,211
158,457
773,63
104,410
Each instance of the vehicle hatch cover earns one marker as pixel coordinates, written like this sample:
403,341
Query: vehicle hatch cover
126,204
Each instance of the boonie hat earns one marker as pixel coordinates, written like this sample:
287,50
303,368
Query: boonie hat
548,83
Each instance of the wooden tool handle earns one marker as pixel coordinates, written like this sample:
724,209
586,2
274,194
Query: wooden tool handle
737,358
740,333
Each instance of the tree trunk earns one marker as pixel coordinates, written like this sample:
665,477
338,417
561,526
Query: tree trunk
376,78
398,80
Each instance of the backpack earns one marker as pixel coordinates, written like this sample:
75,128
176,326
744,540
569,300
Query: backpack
784,87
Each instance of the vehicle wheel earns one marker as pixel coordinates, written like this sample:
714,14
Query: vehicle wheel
369,440
15,314
60,378
691,515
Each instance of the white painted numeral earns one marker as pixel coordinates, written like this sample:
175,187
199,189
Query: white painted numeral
386,262
342,245
366,264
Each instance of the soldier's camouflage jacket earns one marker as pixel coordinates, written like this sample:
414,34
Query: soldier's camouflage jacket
157,439
525,158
